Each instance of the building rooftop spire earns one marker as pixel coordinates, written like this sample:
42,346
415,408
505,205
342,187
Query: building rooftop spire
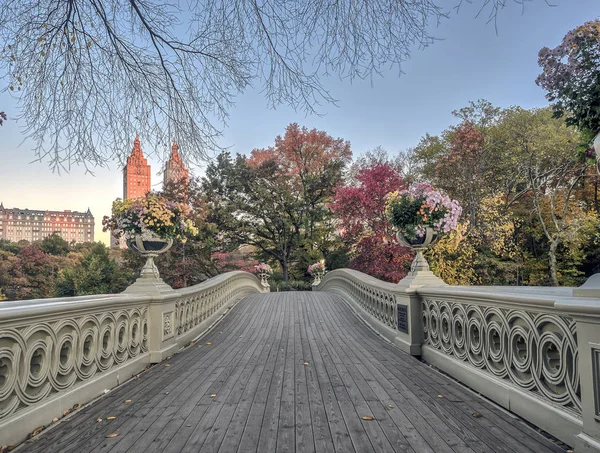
175,152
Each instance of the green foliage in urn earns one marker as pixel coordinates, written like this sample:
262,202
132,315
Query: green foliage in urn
420,206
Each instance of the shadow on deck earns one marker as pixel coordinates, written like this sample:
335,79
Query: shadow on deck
291,372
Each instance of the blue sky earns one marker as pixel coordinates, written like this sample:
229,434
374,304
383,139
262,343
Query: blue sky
470,61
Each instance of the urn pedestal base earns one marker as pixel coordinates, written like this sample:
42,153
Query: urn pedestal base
420,274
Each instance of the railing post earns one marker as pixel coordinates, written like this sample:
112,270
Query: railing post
587,316
408,309
419,276
161,315
588,338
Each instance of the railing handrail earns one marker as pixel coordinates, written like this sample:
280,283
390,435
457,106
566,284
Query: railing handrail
41,307
363,278
215,281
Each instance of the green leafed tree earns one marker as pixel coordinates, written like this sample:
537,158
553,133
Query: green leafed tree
275,199
54,245
95,273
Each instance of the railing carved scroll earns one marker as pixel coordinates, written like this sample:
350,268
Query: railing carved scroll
48,356
535,351
375,297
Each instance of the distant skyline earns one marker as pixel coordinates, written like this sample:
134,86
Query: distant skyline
469,62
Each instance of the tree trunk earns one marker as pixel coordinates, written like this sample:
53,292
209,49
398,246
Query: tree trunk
552,261
284,270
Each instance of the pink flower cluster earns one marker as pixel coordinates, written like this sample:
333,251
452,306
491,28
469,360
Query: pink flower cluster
316,268
433,201
263,268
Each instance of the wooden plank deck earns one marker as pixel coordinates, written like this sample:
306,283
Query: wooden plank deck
291,372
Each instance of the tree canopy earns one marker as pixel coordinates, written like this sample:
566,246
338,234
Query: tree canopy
275,199
571,75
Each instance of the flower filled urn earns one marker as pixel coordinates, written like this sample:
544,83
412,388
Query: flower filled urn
149,225
419,245
420,216
264,271
149,246
317,271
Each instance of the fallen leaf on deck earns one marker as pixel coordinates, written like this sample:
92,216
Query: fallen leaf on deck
390,406
213,395
208,342
476,414
110,436
111,417
127,401
367,417
38,430
55,419
167,364
441,396
305,363
99,420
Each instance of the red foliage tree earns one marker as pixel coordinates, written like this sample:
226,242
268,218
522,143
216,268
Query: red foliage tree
233,261
359,206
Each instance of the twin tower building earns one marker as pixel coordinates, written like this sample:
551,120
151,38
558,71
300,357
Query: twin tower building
137,175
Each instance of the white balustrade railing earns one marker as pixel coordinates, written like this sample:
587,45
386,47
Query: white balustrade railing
55,353
536,351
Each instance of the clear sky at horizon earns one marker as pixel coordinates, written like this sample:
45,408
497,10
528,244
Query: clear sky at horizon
470,61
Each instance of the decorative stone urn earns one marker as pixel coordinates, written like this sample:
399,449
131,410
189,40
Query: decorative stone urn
318,276
419,245
264,280
420,274
149,246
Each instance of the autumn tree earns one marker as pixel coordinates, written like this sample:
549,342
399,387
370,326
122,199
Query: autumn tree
547,156
275,199
463,160
571,76
358,204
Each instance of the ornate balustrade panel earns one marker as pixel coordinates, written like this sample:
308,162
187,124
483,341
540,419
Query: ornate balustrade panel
198,303
57,352
535,351
528,349
50,346
374,296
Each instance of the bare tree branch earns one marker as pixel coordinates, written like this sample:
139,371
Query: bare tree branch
89,74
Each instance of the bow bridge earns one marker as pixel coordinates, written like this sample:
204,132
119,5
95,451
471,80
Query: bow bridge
225,366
